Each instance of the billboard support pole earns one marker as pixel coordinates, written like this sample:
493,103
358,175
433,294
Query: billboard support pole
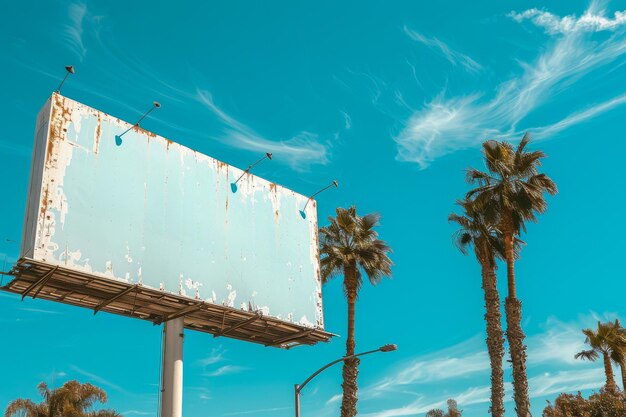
172,381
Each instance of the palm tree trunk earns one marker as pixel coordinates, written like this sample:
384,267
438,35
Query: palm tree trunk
517,349
608,370
514,332
622,365
495,338
350,366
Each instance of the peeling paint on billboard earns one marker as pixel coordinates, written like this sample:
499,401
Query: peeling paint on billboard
155,213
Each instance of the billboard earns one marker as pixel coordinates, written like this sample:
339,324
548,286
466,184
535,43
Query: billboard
152,217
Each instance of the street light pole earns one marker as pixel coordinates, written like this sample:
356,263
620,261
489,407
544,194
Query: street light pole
298,388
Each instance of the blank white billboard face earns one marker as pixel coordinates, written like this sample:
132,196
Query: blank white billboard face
151,212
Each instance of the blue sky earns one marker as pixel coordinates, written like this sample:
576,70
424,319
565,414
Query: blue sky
392,99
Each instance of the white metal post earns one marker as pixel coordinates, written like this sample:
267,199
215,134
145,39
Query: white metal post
172,381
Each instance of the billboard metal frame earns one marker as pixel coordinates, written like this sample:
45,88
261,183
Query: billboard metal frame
52,282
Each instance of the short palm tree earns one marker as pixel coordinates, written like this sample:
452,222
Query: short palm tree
349,246
510,193
602,342
72,399
487,243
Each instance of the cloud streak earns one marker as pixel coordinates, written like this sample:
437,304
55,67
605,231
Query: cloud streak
226,370
97,379
262,410
73,31
217,355
593,20
552,349
300,151
442,49
447,124
450,363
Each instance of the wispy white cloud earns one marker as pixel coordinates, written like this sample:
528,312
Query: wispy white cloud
226,370
580,116
38,310
447,124
53,377
457,361
421,404
300,151
566,381
441,48
137,413
98,379
201,392
335,398
593,20
559,342
541,386
262,410
552,349
347,120
216,356
73,31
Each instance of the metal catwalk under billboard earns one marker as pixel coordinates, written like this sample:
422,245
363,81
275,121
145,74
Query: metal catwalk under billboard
158,219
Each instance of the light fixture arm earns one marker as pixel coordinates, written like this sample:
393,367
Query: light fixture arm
323,368
68,70
61,85
298,388
332,184
145,114
268,155
155,105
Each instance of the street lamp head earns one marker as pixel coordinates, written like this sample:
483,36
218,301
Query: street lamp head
388,348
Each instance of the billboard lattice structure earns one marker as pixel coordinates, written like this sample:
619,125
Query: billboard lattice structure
151,229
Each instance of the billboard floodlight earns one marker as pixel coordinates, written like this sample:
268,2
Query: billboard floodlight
332,184
233,185
118,138
68,70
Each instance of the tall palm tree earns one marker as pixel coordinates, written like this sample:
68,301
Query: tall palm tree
602,342
72,399
618,350
475,231
510,193
349,246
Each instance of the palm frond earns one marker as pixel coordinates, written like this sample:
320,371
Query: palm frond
512,191
589,355
351,239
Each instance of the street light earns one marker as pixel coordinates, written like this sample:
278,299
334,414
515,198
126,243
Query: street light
298,388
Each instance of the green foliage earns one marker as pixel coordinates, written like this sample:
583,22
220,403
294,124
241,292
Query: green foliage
512,190
603,404
73,399
351,239
607,341
435,413
453,410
